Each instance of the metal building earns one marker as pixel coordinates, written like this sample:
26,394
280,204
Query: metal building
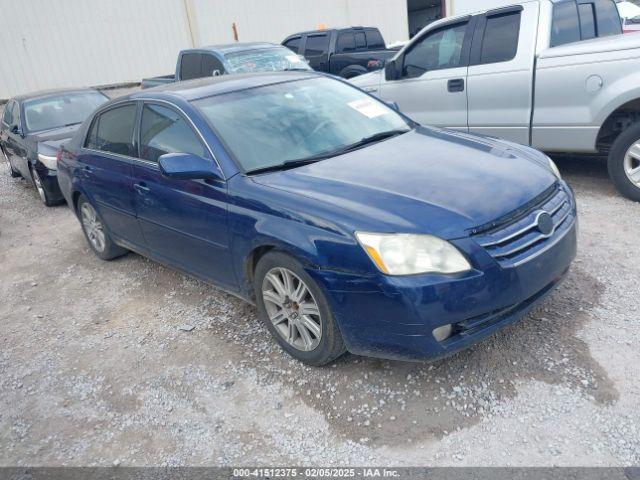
68,43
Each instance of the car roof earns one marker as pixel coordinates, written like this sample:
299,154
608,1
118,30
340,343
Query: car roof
329,30
210,86
234,47
51,93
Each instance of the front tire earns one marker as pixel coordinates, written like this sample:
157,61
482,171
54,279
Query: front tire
624,162
296,311
45,196
96,232
12,172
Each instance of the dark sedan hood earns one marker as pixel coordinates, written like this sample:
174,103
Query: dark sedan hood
429,181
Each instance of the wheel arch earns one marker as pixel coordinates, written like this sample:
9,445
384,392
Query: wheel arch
355,69
617,122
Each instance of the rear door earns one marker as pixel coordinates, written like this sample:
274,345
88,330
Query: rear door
106,168
15,143
184,221
500,78
316,50
432,85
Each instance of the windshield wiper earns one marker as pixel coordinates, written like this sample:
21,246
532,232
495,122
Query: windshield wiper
378,137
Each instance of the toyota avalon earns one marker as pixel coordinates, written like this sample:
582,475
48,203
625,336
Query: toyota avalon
348,225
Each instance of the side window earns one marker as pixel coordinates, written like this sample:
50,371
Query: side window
112,131
564,25
346,42
316,45
435,51
16,115
163,130
587,20
361,40
7,117
374,39
211,66
293,44
190,66
608,18
500,39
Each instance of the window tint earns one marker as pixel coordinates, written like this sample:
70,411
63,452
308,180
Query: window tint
608,18
374,39
163,130
316,45
346,42
293,44
112,131
190,66
587,20
500,41
211,66
361,40
7,117
565,27
437,50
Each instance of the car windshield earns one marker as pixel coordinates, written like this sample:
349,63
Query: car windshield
271,126
61,110
266,60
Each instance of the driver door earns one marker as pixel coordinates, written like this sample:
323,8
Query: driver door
432,88
14,142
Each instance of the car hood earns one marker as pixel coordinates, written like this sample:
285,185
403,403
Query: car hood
425,181
367,81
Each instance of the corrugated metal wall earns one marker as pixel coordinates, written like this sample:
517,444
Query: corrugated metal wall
68,43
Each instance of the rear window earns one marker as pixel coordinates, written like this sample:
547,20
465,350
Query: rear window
112,131
190,66
565,27
500,41
316,45
374,39
608,18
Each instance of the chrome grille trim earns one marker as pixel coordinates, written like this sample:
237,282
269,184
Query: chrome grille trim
514,240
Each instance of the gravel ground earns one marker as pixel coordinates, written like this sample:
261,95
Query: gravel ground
100,365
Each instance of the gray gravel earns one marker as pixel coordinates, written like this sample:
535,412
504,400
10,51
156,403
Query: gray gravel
131,363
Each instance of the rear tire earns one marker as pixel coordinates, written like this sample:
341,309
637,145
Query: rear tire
624,162
296,311
96,232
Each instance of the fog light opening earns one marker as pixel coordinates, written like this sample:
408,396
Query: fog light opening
443,332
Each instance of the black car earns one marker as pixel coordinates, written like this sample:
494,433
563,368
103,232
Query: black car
35,125
347,52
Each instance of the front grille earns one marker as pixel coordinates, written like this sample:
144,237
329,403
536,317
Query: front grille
515,241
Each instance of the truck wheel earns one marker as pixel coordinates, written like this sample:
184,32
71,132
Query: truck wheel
624,163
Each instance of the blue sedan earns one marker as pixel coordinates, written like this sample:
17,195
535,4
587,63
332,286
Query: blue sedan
349,226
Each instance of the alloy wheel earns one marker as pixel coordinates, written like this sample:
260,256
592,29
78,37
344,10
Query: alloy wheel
93,227
632,164
291,308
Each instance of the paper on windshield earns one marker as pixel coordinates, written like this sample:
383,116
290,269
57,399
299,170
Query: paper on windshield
368,108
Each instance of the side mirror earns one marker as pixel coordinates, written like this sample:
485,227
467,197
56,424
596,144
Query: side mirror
392,68
185,166
16,130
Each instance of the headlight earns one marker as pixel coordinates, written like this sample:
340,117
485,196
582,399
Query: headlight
409,254
50,162
554,169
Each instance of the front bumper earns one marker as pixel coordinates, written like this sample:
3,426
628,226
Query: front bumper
393,317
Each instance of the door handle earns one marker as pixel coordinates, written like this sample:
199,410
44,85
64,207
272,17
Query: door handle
87,171
141,188
456,85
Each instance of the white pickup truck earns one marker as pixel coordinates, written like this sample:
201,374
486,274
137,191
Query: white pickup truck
554,74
